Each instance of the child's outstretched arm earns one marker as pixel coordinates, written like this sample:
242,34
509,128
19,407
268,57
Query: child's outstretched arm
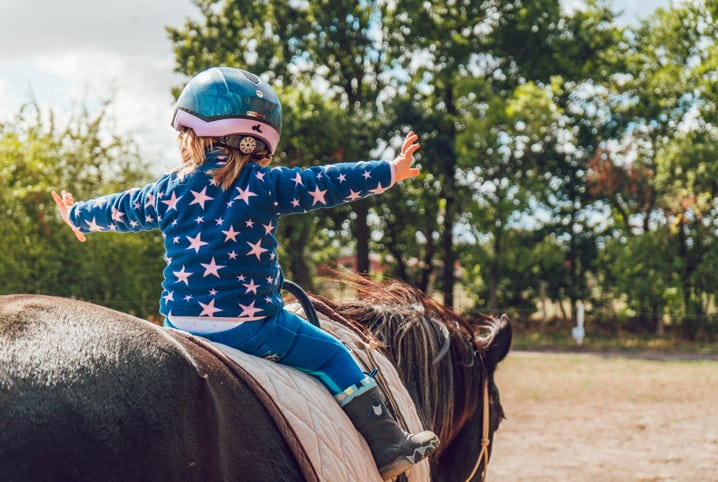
64,204
402,164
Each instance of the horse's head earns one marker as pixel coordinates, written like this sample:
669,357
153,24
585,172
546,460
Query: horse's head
446,362
466,449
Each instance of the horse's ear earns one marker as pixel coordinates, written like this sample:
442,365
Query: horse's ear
501,344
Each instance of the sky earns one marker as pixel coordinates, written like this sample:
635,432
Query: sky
73,53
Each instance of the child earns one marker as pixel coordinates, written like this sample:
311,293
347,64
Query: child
218,213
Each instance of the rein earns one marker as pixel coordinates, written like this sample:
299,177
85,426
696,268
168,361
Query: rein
485,440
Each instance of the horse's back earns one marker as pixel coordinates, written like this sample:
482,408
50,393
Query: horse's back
88,393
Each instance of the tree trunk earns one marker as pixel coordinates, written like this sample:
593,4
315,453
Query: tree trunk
361,234
449,194
447,244
426,280
495,265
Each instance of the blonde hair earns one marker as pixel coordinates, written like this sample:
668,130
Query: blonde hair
193,150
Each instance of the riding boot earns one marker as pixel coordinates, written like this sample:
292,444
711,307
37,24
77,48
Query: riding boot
394,450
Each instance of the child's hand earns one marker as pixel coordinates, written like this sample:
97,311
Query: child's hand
402,164
63,205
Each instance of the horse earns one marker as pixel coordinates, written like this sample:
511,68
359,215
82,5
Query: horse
447,364
89,393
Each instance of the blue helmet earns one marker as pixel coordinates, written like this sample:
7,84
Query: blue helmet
222,102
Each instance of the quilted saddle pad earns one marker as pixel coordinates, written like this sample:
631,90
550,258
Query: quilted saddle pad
335,449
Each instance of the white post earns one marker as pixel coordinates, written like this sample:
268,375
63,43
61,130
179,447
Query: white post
577,332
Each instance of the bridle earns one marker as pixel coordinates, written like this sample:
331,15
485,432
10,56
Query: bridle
485,437
485,440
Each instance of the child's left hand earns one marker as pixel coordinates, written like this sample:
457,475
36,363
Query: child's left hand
64,204
402,164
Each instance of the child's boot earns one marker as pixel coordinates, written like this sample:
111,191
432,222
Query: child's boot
394,450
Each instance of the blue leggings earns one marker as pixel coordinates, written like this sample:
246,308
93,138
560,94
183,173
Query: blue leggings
292,340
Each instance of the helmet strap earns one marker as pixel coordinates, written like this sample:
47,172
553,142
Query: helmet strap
245,144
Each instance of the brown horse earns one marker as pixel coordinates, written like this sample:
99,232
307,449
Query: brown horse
88,393
446,363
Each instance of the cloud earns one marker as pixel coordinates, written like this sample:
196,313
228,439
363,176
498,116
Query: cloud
82,52
134,27
61,53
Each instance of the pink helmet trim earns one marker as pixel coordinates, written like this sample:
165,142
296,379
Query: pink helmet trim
227,127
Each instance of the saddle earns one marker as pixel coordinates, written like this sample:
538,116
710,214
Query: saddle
322,438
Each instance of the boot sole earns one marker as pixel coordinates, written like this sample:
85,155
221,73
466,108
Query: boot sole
401,464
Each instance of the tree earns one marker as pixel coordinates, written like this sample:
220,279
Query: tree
436,43
41,255
667,161
326,46
306,242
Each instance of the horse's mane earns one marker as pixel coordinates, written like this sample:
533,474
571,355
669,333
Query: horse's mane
432,347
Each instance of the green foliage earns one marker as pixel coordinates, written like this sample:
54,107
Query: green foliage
40,252
664,187
306,240
556,146
562,156
322,47
636,270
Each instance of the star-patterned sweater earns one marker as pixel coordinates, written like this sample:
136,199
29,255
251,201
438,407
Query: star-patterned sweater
220,245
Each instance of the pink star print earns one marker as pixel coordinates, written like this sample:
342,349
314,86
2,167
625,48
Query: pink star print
150,200
353,196
230,234
379,189
249,310
212,268
200,197
244,195
93,226
196,243
172,202
257,249
117,214
208,309
251,287
318,196
298,180
182,276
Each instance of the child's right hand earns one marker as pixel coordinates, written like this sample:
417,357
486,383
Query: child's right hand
64,204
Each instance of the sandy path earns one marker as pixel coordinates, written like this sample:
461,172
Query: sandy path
577,417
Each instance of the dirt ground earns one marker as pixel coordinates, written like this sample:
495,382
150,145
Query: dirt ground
583,417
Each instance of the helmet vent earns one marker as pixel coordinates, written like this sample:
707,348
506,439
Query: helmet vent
252,77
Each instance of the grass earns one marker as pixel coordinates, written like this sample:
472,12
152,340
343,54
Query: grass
627,343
